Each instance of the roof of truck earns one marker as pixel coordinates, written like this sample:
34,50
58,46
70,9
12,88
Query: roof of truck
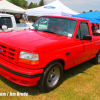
5,15
74,18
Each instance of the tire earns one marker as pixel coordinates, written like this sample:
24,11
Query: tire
51,77
96,59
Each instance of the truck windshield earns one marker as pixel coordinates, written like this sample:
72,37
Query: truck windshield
60,26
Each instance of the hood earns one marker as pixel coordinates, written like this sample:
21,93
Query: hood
28,39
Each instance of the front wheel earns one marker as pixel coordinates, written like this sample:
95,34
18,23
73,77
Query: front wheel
51,77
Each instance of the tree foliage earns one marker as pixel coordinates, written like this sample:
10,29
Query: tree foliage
84,12
41,3
33,5
21,3
24,3
90,11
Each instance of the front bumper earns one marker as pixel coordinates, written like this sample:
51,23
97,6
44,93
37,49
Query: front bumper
19,75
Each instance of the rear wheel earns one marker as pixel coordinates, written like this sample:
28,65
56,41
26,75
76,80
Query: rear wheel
51,77
96,59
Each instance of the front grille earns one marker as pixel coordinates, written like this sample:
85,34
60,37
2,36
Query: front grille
8,53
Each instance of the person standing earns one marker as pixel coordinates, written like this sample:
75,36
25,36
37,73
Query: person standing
97,26
93,27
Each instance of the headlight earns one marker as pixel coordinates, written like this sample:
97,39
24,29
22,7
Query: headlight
28,58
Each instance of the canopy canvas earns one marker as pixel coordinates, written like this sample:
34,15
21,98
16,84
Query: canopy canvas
6,6
93,17
54,8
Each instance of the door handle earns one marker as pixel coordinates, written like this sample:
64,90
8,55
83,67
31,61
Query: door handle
67,53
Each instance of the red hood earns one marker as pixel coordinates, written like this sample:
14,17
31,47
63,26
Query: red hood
28,39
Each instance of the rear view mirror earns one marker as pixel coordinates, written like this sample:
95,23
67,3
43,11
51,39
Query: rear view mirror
4,27
87,37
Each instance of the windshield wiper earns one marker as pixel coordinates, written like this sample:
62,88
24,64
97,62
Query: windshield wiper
53,33
50,32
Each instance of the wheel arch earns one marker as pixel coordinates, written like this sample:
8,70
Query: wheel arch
42,83
59,60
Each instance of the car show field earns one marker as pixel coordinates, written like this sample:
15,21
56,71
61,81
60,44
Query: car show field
49,51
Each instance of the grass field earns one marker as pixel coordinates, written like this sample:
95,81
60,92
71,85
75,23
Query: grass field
81,82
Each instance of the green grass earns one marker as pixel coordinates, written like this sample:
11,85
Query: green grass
81,82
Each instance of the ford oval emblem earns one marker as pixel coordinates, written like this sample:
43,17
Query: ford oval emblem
49,7
1,50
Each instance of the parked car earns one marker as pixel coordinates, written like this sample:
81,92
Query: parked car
8,23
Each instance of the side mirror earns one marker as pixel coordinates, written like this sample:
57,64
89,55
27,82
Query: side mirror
31,27
4,27
87,37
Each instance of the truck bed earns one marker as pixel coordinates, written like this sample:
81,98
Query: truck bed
22,26
96,34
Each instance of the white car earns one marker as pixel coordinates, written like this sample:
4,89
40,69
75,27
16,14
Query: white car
8,23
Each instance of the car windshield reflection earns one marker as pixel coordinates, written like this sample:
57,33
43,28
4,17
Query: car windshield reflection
60,26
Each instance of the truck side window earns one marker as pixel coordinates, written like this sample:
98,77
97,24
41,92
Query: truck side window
82,30
78,34
6,21
0,24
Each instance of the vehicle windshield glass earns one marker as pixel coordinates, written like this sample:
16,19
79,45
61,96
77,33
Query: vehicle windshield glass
60,26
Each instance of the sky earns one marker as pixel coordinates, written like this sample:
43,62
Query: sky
76,5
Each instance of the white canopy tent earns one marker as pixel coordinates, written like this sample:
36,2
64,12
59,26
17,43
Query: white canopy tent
6,6
54,8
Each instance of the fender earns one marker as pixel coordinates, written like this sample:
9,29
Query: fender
55,57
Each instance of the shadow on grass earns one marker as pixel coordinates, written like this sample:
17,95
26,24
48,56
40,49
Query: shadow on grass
81,68
34,89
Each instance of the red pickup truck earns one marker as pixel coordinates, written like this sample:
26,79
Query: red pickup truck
39,55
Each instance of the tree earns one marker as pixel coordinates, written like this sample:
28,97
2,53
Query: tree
30,5
25,4
33,5
21,3
84,12
90,11
41,3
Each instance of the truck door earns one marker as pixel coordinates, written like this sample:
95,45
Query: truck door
83,48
